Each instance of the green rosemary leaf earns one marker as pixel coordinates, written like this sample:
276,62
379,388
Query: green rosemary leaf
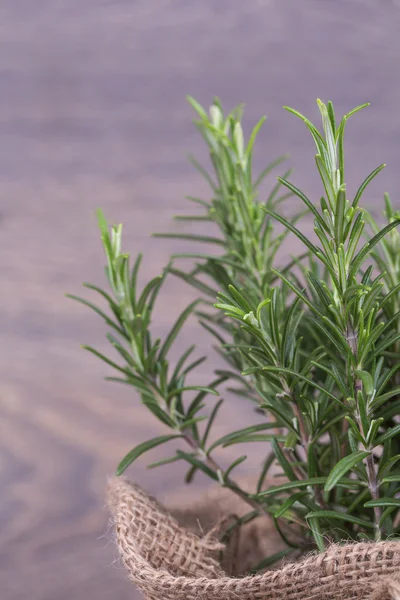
390,433
197,107
326,180
258,437
360,107
97,310
240,300
301,377
149,401
288,504
306,201
175,330
290,485
191,237
164,461
318,139
283,461
211,420
107,297
141,449
270,560
339,216
147,291
106,360
292,228
365,183
343,467
386,465
333,514
331,114
317,533
204,173
187,388
181,361
359,258
198,399
198,201
268,170
246,431
253,136
199,464
391,478
383,502
233,465
202,218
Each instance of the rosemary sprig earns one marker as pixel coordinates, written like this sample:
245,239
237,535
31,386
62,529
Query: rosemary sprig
313,344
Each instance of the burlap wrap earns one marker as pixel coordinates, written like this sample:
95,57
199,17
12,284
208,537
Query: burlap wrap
176,556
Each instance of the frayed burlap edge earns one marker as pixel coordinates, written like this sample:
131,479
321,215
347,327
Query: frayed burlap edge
169,562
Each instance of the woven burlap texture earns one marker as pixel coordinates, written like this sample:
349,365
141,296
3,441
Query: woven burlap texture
169,561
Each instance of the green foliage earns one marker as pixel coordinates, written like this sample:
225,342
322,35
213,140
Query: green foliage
314,344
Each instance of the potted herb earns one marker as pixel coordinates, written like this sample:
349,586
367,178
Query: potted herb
313,346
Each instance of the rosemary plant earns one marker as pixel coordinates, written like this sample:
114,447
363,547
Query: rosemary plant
313,344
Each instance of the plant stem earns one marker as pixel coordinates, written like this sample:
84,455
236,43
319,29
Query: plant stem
304,437
373,488
189,439
233,486
305,442
371,472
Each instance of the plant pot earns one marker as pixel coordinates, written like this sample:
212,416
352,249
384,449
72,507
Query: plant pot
176,555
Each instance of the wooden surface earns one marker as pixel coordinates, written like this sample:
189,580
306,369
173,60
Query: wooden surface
92,113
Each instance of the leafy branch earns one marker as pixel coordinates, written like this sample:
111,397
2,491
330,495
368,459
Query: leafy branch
145,367
313,344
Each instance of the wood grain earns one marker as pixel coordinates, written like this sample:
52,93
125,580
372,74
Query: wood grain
92,113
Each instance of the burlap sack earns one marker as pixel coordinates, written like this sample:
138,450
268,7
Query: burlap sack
170,561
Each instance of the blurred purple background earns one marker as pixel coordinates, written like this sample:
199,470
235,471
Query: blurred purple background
93,113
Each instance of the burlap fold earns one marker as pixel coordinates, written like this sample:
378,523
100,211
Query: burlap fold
170,561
